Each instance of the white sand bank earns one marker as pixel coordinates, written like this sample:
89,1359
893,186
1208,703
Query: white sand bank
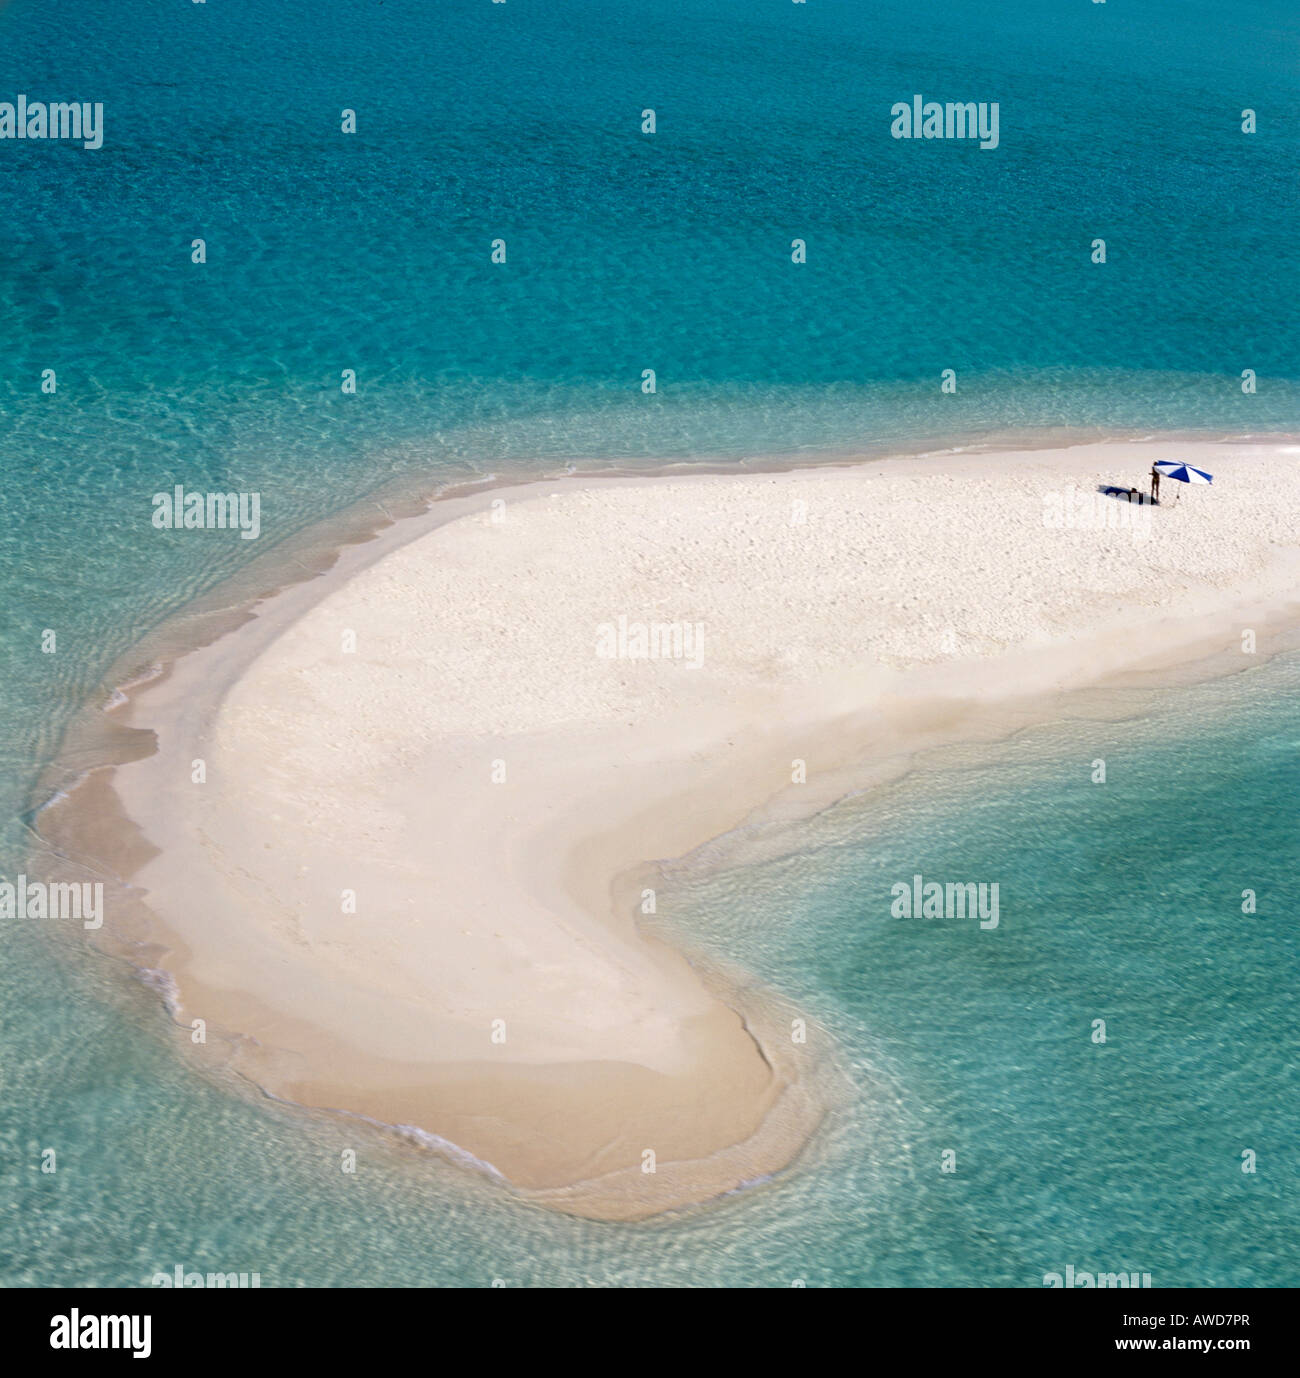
490,784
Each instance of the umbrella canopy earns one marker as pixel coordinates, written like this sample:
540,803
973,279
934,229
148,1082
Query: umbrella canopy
1184,473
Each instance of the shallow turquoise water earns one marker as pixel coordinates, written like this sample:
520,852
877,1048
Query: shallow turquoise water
1119,901
625,252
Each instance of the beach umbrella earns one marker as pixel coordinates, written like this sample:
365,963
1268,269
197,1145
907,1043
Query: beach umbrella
1184,473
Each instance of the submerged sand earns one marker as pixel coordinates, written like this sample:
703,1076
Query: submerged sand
435,778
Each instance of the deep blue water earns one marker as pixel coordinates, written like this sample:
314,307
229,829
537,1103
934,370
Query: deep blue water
371,251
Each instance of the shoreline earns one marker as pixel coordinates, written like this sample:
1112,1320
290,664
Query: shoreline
759,1116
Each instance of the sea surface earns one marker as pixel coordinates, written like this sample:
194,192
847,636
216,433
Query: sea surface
625,252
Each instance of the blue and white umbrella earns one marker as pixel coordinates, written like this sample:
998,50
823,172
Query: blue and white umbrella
1184,473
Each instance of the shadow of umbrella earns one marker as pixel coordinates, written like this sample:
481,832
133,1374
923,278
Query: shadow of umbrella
1137,495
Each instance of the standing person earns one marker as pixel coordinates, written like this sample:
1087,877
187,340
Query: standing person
1155,484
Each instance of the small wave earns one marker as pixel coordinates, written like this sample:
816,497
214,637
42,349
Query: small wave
427,1139
158,980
